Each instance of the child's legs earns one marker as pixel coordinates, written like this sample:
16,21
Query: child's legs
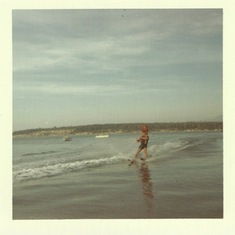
145,153
138,151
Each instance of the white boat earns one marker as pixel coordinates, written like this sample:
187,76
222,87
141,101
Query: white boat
102,136
67,138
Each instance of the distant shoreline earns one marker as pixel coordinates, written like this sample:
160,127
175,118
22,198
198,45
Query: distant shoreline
113,133
120,129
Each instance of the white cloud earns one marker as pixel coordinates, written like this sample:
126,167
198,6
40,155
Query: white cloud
84,54
96,42
53,88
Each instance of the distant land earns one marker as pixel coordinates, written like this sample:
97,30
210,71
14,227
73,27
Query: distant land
121,128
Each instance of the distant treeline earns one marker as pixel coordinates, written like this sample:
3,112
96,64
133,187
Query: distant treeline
123,128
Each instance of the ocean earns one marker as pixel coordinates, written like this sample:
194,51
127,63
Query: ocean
90,178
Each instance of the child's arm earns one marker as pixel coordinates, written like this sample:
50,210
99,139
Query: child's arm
145,138
142,137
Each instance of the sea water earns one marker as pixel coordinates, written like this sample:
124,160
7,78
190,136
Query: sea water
90,177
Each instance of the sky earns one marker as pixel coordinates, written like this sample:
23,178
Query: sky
81,67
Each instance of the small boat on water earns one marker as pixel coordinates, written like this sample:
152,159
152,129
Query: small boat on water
67,138
102,136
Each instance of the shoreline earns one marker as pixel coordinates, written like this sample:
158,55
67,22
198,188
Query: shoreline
47,134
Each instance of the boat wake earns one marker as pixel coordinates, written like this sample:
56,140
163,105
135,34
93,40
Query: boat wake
62,168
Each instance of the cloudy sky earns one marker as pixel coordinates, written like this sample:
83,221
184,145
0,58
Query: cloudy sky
77,67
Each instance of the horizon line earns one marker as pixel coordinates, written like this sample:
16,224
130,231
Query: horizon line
141,123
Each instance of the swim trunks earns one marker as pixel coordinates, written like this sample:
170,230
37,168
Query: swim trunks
143,145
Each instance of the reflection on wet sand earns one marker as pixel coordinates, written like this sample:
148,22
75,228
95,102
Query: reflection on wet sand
144,175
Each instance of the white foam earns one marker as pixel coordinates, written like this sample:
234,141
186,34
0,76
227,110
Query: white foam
167,147
60,168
